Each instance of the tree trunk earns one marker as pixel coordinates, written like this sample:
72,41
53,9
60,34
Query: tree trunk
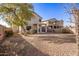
23,30
20,29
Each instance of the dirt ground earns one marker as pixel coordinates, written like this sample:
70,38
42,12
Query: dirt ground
40,45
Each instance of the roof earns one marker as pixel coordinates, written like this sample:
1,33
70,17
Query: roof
52,19
37,14
2,26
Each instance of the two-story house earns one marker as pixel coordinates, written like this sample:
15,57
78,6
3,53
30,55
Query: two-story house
34,23
52,25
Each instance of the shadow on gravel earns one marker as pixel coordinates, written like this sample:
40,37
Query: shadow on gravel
16,45
58,40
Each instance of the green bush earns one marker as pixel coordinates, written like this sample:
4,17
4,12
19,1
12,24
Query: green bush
8,33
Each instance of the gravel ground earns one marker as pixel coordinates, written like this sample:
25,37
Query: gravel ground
40,45
54,45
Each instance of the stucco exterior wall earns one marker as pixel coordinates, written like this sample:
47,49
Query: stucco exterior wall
34,20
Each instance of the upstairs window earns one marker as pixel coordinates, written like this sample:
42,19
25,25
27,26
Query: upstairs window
55,27
39,20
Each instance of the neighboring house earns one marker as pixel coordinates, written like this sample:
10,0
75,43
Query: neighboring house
52,25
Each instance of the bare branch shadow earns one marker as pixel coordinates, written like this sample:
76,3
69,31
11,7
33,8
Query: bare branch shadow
16,45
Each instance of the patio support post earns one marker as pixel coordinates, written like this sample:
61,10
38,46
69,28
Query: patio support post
46,28
40,29
37,28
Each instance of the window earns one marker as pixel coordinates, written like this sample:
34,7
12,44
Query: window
50,26
55,27
39,20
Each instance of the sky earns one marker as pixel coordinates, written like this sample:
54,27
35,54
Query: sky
47,10
2,22
50,10
53,10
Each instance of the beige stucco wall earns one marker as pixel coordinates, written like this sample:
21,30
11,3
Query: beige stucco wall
34,20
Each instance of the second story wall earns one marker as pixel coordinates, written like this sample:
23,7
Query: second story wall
34,20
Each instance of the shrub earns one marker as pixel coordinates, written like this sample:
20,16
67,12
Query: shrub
30,32
8,33
34,31
65,31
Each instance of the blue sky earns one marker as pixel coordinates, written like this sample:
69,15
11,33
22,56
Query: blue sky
52,10
47,10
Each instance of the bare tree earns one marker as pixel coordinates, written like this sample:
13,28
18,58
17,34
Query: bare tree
74,12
